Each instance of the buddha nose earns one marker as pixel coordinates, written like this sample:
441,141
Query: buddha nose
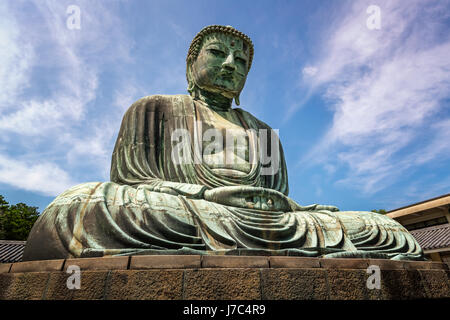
229,63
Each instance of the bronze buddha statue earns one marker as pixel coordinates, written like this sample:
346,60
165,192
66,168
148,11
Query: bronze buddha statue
191,175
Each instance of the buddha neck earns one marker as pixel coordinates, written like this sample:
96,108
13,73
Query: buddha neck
215,101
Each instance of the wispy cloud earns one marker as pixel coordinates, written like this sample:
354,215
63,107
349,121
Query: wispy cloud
385,87
15,58
52,120
309,71
44,176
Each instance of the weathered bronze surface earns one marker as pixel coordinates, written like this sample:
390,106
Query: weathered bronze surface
173,190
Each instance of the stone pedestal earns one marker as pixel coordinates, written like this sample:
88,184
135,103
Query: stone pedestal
223,278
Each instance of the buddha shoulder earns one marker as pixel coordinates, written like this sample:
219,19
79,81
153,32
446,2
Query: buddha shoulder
160,103
249,117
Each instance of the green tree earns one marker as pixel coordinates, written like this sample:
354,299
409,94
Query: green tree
4,206
3,203
16,220
380,211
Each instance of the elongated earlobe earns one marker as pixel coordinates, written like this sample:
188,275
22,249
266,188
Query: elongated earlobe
191,83
236,99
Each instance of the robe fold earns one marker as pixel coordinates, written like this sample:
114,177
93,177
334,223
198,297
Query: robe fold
156,205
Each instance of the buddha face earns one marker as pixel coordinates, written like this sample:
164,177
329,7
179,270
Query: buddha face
221,65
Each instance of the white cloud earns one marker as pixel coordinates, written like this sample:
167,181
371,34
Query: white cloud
77,82
126,95
309,71
52,121
15,58
438,148
385,87
38,176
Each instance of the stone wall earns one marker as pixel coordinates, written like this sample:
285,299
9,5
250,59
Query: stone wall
223,277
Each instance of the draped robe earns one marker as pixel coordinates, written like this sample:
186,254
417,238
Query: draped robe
153,205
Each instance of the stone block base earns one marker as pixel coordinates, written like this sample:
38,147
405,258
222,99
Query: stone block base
223,278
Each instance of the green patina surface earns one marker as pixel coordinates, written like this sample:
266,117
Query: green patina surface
156,205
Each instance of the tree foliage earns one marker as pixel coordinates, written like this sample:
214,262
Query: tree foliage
380,211
16,220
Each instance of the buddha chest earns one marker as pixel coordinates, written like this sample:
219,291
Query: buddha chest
225,143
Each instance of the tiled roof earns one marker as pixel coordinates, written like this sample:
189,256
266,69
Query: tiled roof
11,250
434,237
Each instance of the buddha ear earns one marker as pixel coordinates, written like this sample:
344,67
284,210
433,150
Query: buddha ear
190,79
236,99
192,86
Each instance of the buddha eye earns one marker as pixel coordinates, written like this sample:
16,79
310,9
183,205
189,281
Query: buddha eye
240,60
217,52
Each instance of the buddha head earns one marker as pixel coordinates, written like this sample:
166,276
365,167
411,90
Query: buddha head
218,61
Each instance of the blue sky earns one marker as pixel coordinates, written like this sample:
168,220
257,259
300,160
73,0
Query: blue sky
363,114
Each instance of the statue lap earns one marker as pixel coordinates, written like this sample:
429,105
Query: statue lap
97,219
